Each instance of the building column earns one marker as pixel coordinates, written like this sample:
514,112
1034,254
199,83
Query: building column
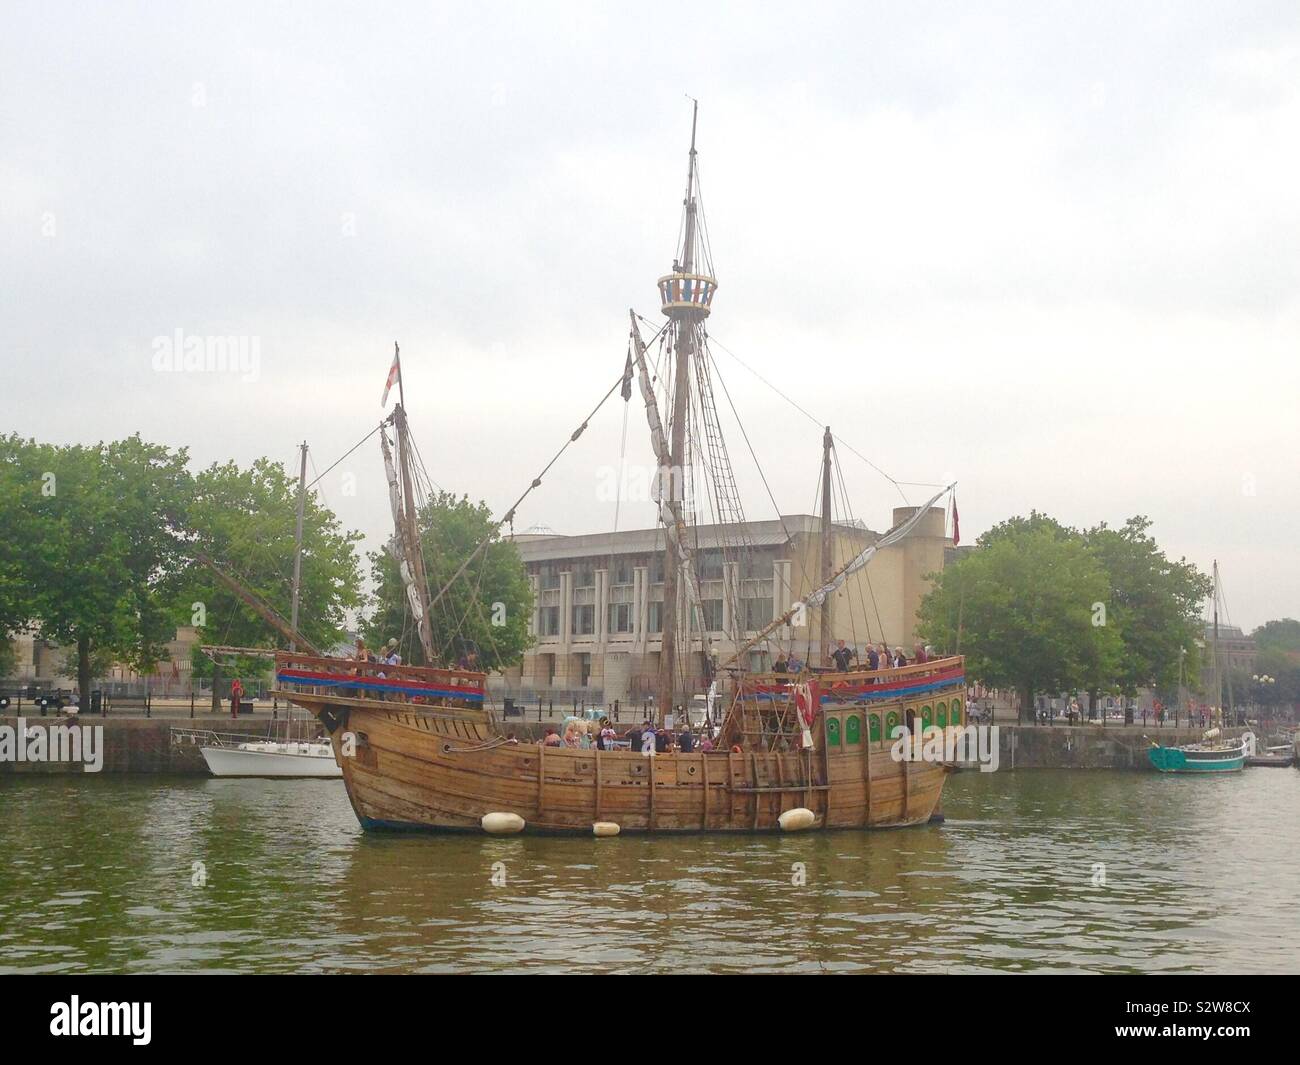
602,607
566,611
640,608
781,595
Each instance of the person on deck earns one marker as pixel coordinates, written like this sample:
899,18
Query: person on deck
236,696
686,740
873,658
842,655
918,654
782,665
900,659
795,663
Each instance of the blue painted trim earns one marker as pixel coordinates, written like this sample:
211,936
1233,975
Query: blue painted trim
351,682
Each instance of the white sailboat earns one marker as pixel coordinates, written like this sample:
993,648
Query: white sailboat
272,758
235,756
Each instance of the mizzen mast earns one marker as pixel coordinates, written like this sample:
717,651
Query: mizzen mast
685,297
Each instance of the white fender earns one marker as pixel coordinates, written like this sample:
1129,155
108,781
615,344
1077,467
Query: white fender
502,824
605,828
797,819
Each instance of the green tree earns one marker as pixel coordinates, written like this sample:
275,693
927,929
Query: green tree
1026,601
1281,635
486,610
86,547
244,520
1155,603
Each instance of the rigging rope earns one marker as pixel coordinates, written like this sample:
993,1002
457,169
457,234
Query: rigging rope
817,421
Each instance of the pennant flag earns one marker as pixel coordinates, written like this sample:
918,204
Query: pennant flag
627,376
394,374
956,531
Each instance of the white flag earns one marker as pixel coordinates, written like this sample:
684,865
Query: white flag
394,374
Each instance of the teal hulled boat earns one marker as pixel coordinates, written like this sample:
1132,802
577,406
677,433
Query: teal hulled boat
1205,757
1212,754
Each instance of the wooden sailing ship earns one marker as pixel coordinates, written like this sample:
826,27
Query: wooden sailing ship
421,749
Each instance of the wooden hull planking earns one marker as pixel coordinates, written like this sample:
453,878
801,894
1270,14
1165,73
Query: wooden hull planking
442,768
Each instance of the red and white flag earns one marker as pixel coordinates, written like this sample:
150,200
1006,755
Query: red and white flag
394,374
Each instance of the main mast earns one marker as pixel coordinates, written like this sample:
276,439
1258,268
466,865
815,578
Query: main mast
685,298
827,561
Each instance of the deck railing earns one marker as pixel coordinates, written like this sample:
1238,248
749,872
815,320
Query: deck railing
828,678
353,678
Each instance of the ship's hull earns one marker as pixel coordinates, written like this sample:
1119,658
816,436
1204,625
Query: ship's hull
416,763
415,769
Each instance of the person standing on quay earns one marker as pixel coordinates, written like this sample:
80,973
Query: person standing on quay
236,694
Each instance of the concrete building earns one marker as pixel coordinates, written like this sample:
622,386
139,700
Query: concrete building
598,601
1236,649
39,662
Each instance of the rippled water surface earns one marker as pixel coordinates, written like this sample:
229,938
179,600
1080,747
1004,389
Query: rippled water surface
1200,874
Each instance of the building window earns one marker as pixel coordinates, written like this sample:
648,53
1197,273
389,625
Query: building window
584,577
549,621
584,620
655,617
755,566
758,613
620,617
710,563
548,577
623,572
584,670
712,609
657,568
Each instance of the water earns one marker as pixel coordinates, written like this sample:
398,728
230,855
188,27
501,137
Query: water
99,874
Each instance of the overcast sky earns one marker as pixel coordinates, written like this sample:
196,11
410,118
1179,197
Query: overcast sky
1052,251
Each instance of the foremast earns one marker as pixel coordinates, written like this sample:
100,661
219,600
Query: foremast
407,545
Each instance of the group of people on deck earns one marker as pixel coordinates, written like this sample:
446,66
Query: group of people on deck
645,738
876,656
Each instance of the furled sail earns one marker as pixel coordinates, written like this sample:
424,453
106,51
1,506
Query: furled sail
891,537
669,513
395,544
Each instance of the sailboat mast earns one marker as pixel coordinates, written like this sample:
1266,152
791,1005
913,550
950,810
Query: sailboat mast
297,543
672,480
828,605
1218,683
